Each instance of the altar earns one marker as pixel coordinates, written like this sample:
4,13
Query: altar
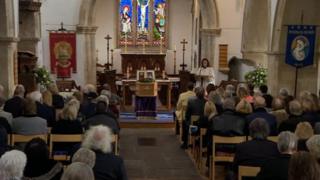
164,87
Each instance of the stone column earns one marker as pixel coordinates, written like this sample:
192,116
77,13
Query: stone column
208,44
29,26
8,60
87,35
8,45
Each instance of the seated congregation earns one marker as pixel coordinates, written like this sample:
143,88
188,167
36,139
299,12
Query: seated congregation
238,128
86,122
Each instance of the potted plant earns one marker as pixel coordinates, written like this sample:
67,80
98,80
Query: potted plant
257,77
43,76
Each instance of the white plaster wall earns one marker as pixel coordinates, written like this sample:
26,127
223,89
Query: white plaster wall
231,18
180,26
53,12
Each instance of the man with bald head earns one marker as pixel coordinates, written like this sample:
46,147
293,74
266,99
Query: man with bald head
260,112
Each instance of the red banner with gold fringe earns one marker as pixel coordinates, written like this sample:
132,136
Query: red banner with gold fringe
63,53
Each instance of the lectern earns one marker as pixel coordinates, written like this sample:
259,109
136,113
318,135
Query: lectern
146,98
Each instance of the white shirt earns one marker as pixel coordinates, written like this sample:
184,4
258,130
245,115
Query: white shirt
205,76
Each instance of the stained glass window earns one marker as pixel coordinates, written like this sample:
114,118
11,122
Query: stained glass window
142,22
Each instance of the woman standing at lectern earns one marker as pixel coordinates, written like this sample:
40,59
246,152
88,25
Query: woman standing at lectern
205,74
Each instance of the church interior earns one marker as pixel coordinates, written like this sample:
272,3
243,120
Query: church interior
159,89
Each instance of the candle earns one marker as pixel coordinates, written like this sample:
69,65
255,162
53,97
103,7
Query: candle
175,47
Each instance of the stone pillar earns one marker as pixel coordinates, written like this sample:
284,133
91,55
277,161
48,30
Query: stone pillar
8,45
208,44
29,26
87,35
8,59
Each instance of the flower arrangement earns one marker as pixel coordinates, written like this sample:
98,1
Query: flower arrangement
146,80
42,76
257,77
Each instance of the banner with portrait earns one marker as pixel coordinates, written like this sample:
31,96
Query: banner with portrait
63,53
300,45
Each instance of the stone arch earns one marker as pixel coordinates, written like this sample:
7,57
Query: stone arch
209,28
209,14
256,31
283,75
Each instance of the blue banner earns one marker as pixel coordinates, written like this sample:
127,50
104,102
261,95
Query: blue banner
300,45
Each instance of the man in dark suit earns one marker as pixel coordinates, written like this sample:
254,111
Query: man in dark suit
278,168
261,112
103,116
195,107
15,105
107,164
258,150
266,96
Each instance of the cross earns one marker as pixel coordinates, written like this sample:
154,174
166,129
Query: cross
108,38
61,27
183,42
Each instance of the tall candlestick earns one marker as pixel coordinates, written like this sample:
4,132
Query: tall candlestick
174,61
144,46
125,42
111,58
161,44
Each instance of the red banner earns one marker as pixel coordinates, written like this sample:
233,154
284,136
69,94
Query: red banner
63,53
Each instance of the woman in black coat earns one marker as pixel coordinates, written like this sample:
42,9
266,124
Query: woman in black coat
39,165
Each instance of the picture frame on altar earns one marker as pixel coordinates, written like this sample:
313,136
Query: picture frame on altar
141,75
150,74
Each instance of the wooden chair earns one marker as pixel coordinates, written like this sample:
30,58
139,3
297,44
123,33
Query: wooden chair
115,140
203,131
19,138
247,171
192,139
63,138
270,138
223,157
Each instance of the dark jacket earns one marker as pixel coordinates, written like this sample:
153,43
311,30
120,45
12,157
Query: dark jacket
311,117
46,112
195,107
275,169
270,119
14,106
268,99
66,127
88,109
107,119
4,147
47,169
57,101
255,152
109,167
228,124
291,123
4,123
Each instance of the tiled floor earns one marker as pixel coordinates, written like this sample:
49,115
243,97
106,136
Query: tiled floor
154,154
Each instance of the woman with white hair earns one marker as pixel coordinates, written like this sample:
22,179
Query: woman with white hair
12,164
86,156
78,171
313,145
277,168
107,165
